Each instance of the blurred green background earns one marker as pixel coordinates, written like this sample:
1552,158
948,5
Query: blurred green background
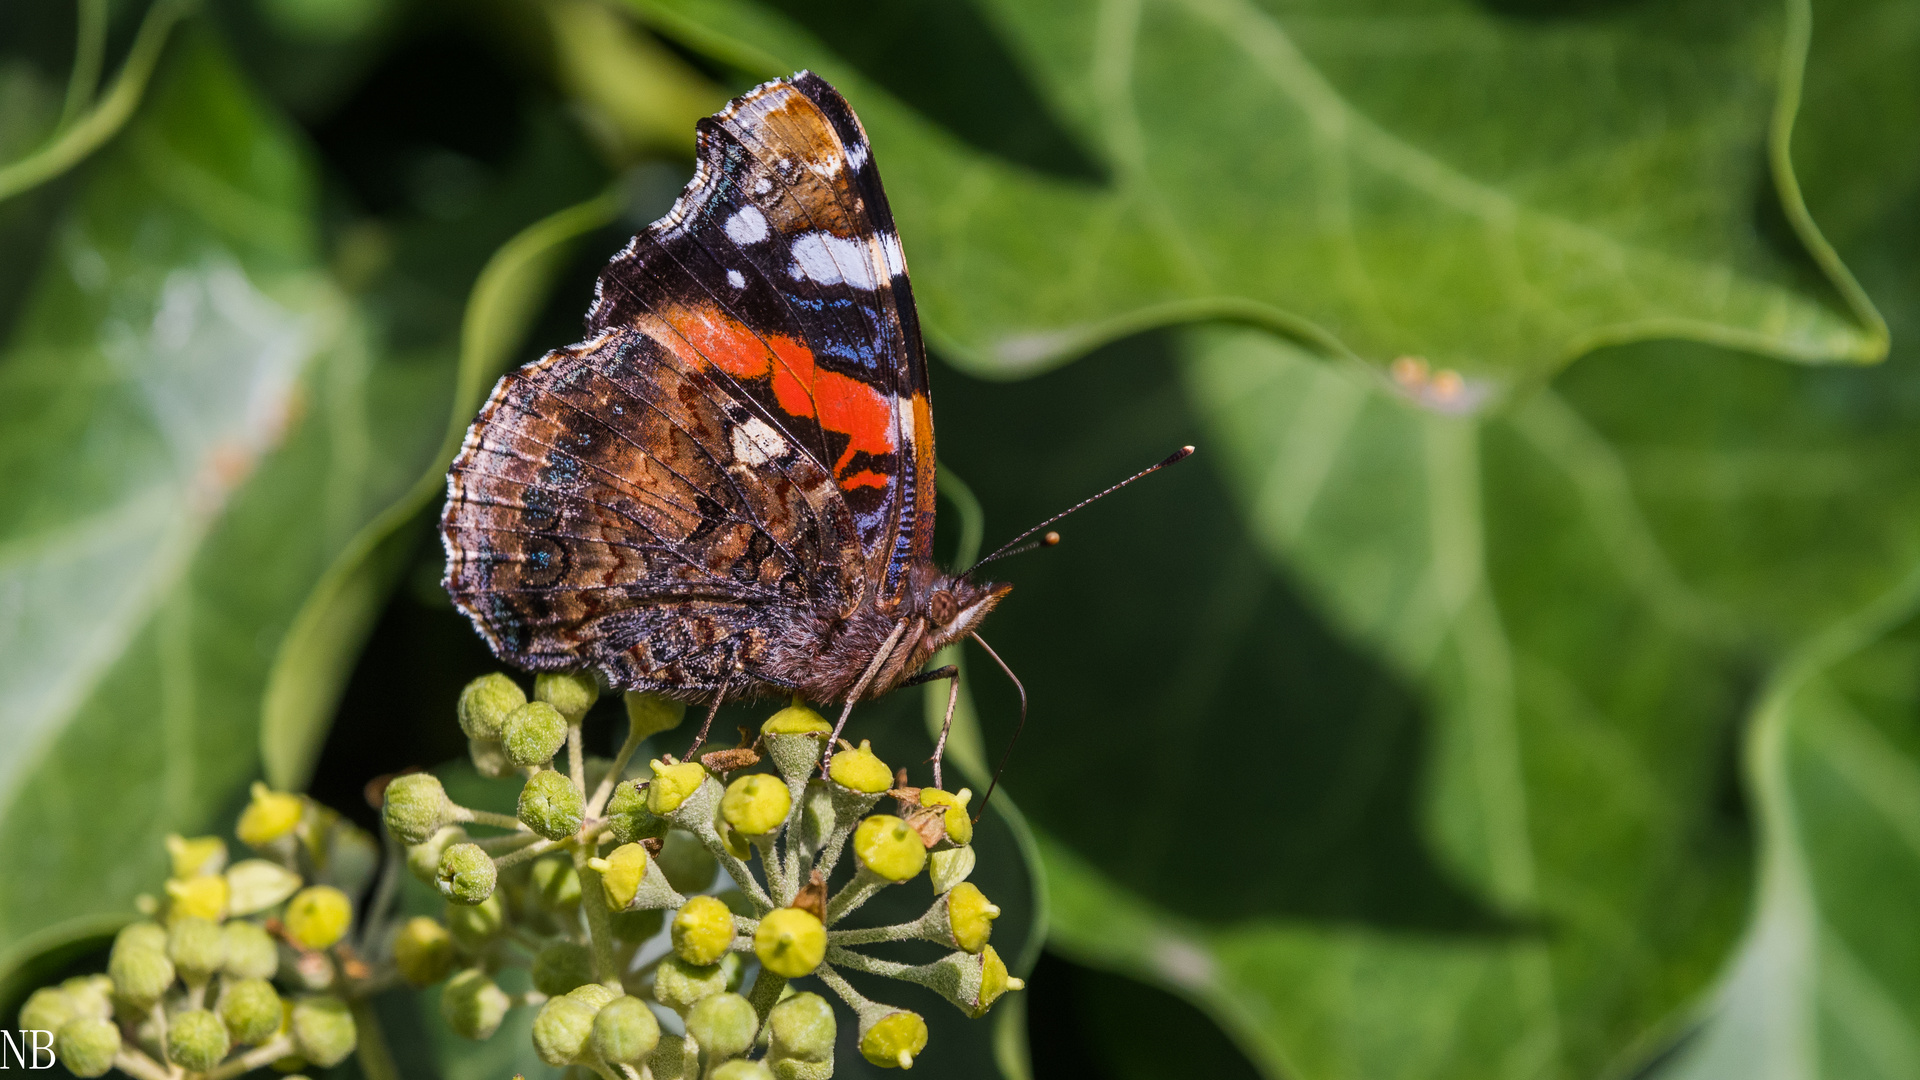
1523,681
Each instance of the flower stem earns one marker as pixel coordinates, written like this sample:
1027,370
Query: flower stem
371,1053
619,768
593,900
266,1054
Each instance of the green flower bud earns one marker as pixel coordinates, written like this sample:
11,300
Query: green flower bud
87,1046
254,885
625,1031
141,935
887,846
197,948
676,1058
489,757
861,770
318,916
796,719
140,975
473,926
89,996
485,704
802,1029
423,859
724,1025
636,926
556,884
572,693
689,866
551,806
561,967
894,1040
251,1010
47,1009
679,985
741,1069
817,816
534,733
416,807
196,1040
651,714
593,993
562,1029
269,816
202,856
473,1005
949,867
959,825
731,841
251,951
466,874
323,1030
756,804
423,951
790,942
970,916
702,930
621,873
202,897
795,738
628,814
994,980
673,784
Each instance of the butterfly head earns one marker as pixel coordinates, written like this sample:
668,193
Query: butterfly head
953,607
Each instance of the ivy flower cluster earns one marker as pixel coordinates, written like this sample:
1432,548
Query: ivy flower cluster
237,966
601,886
594,866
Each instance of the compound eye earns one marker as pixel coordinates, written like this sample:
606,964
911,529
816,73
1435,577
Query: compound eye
942,607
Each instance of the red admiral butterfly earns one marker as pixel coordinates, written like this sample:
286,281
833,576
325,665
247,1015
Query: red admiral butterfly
727,489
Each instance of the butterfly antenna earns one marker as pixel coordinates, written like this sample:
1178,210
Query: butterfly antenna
1007,755
1012,547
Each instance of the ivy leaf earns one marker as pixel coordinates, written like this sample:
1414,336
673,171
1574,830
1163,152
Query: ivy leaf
191,435
1493,189
1452,702
1823,985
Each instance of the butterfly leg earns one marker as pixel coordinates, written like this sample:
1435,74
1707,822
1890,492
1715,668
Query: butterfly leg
701,739
952,675
866,679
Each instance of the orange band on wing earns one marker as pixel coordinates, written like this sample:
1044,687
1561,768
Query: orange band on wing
863,478
705,336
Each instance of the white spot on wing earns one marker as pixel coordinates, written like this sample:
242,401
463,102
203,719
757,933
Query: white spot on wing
830,260
857,156
736,279
896,259
756,443
748,226
762,186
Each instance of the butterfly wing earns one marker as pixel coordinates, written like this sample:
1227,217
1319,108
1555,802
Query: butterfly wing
742,447
779,271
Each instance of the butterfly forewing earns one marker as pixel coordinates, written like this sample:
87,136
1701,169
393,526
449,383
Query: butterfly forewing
740,454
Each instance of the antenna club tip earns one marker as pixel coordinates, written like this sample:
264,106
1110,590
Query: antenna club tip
1187,449
1050,539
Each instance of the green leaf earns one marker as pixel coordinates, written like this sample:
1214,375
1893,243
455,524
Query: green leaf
194,428
1495,190
1438,711
1824,984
